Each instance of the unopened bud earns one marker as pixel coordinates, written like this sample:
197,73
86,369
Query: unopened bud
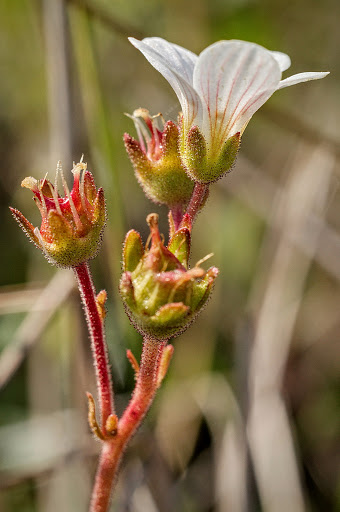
161,295
72,226
156,160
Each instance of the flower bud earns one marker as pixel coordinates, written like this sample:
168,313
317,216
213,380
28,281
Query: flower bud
161,295
156,160
72,226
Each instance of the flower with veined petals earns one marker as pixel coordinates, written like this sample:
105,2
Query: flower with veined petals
219,91
72,226
156,160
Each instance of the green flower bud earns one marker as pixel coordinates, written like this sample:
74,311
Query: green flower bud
72,226
161,295
156,161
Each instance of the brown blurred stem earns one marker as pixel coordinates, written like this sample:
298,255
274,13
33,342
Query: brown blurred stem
113,449
58,79
42,310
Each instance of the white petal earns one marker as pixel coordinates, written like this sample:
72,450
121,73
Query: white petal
302,77
283,60
179,59
176,64
233,79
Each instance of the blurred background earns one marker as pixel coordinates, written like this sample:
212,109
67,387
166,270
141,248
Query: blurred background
248,417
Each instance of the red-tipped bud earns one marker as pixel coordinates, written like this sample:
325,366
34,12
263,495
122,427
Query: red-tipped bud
156,161
72,226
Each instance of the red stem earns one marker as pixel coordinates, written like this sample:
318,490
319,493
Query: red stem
98,345
140,402
198,197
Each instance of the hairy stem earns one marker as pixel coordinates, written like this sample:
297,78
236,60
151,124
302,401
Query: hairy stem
198,197
99,350
113,449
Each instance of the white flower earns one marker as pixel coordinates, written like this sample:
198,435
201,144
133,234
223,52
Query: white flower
222,88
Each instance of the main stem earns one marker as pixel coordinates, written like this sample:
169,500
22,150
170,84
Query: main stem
113,449
96,330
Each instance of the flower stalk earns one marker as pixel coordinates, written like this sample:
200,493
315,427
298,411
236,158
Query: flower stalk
199,196
94,318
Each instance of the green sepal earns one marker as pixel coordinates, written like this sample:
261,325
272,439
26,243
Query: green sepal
133,250
63,249
229,153
148,294
201,290
194,152
170,315
208,165
99,210
127,291
137,156
67,249
180,245
60,229
170,143
89,187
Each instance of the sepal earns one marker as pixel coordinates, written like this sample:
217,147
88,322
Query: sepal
127,290
100,302
170,314
201,293
26,226
194,153
133,250
206,165
165,363
180,245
